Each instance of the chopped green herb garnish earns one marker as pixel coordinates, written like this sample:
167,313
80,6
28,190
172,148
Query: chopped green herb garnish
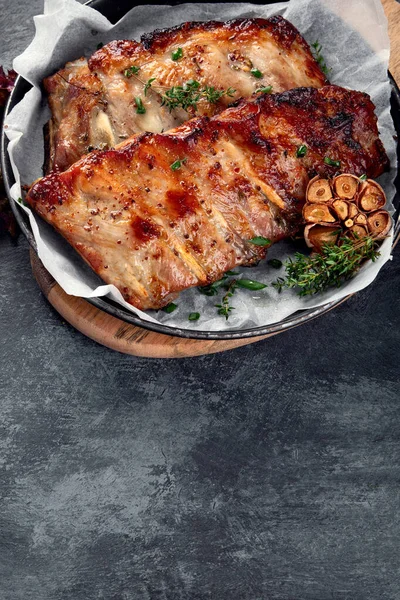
140,109
131,71
301,151
260,241
318,272
224,308
212,95
249,284
178,163
170,307
188,95
256,73
99,45
363,177
192,84
148,85
194,316
275,263
264,90
177,54
319,58
23,202
230,286
212,289
331,162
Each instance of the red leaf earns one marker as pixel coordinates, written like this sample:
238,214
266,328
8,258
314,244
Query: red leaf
7,80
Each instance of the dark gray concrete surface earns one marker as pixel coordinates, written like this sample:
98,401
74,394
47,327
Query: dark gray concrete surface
270,472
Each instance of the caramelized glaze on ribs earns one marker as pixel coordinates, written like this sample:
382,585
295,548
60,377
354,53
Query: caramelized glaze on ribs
154,231
93,102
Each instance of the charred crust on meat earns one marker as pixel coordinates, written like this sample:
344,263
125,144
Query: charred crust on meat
257,140
283,32
52,188
117,48
144,230
340,120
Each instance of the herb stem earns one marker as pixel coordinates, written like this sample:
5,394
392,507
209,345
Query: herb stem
330,268
190,93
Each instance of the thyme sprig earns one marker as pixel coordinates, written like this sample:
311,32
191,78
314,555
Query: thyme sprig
132,70
331,268
148,85
317,47
230,285
224,309
190,93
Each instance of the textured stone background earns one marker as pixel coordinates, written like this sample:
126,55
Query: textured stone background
270,472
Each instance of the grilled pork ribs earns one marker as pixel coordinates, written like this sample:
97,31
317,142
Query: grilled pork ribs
100,102
164,212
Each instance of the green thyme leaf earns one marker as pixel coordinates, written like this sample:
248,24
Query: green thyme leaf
177,54
224,308
256,73
212,289
264,90
140,109
319,58
275,263
249,284
260,241
331,162
133,70
192,84
178,163
363,177
301,151
148,85
99,45
194,316
170,307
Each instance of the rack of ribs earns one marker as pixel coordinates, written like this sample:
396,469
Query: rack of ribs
161,213
93,103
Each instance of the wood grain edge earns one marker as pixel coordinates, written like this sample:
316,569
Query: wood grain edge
392,11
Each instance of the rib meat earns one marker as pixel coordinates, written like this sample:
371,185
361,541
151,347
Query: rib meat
93,102
164,212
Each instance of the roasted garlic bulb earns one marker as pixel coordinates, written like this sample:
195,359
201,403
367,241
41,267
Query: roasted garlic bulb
344,205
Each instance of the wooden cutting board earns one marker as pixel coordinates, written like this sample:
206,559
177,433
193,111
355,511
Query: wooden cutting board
129,339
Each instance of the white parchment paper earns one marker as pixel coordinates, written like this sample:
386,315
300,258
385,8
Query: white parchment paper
356,48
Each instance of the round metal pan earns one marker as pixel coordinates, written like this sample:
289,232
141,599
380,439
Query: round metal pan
114,11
